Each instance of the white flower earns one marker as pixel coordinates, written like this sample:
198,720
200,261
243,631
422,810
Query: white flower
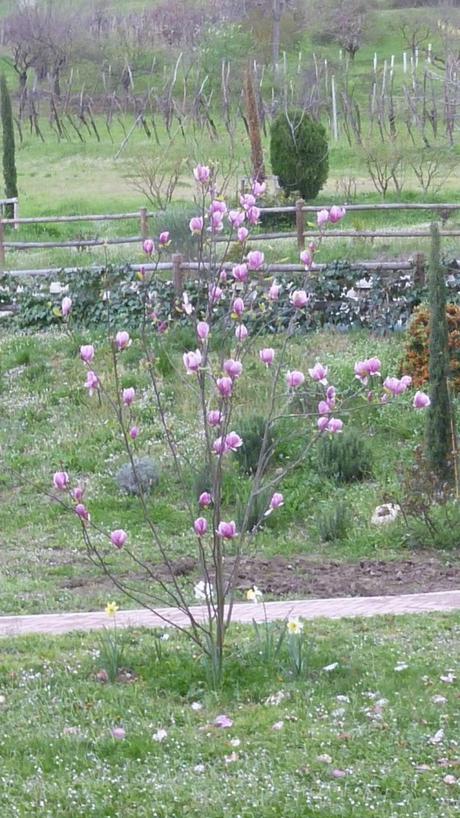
330,668
196,706
203,591
449,678
438,699
235,742
199,768
278,725
401,666
160,735
294,625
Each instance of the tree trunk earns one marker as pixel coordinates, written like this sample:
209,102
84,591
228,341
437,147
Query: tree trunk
257,154
276,31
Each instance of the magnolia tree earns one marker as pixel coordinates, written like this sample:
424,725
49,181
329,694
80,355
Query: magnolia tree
306,405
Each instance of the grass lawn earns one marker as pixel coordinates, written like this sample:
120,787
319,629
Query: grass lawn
376,735
48,423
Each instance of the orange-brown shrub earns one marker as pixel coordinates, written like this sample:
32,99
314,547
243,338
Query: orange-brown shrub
416,353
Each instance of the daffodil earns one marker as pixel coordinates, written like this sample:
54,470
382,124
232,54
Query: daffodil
254,595
111,608
294,625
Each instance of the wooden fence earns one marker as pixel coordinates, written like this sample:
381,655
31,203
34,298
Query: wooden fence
298,211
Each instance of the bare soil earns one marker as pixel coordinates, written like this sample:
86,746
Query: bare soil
303,576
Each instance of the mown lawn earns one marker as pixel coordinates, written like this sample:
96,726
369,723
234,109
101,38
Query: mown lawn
374,735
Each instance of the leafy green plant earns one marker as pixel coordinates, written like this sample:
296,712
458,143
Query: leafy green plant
334,522
299,153
346,458
252,430
111,648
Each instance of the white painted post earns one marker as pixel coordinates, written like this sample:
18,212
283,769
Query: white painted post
326,76
16,213
375,62
416,57
404,62
429,52
334,110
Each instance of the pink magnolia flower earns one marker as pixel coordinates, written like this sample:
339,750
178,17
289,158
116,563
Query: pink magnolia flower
330,395
259,188
267,356
122,340
241,333
215,293
149,247
225,386
202,174
306,258
61,480
324,407
223,721
87,353
233,368
322,423
134,432
118,537
240,272
219,446
394,386
223,277
299,299
253,215
192,361
322,217
196,225
217,221
92,382
374,366
236,218
421,400
82,512
406,381
201,526
362,371
165,238
215,417
78,493
118,733
238,307
218,206
335,425
255,260
336,214
243,233
66,306
128,395
227,530
277,501
274,291
247,200
233,442
202,330
295,379
319,373
205,499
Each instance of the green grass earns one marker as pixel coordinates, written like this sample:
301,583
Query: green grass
48,423
377,725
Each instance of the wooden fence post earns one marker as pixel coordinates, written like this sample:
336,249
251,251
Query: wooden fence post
2,246
178,282
16,213
144,222
420,273
300,223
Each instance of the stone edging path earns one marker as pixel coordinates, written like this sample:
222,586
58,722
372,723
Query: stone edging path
337,608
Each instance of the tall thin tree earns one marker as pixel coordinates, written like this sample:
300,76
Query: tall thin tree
252,111
440,428
9,153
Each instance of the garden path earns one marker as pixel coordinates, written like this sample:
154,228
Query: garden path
59,623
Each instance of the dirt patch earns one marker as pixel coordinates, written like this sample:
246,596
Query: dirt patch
302,576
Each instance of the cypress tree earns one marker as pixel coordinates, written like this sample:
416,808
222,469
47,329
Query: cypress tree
9,162
439,427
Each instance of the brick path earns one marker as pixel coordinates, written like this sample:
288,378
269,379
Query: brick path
243,612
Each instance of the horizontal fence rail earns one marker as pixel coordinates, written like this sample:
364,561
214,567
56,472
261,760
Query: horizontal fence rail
302,232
